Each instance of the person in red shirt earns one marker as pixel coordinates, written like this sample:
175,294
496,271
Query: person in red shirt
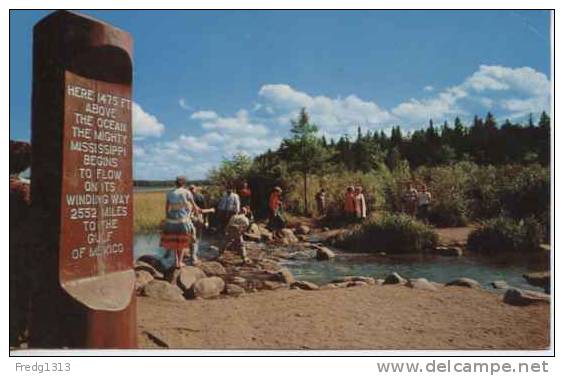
350,209
276,220
245,195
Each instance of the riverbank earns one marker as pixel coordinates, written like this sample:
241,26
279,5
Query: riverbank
361,317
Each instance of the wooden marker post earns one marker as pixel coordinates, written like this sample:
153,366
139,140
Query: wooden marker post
81,185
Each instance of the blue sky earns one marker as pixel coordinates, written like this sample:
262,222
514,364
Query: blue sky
208,84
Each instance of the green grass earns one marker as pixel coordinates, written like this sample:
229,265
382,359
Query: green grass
393,233
148,211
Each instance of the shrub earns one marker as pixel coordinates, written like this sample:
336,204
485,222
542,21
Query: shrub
505,234
448,213
391,233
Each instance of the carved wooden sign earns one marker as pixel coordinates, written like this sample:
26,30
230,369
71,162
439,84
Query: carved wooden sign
96,202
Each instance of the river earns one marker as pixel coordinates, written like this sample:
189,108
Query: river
507,267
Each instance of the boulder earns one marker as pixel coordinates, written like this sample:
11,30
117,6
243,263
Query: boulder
254,229
449,251
209,287
163,290
239,281
272,285
187,276
324,253
265,234
357,283
304,285
142,265
153,261
520,297
539,279
287,236
303,230
251,237
285,275
394,279
329,286
421,284
502,285
212,268
234,290
464,282
354,278
142,278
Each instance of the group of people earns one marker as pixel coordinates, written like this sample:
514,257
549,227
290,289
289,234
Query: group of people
187,217
354,203
417,201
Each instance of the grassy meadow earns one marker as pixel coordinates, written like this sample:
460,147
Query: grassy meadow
148,211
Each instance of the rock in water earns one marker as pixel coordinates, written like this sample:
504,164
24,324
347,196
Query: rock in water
421,284
142,278
305,285
285,275
355,278
324,253
251,237
464,282
287,236
152,261
163,290
539,279
254,229
501,285
521,297
209,287
234,290
394,279
449,251
212,268
303,230
142,265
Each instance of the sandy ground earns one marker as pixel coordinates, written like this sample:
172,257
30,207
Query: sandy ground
368,317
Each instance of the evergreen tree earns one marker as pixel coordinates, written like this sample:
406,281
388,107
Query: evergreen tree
304,151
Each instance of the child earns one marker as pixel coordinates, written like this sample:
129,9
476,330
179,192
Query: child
234,230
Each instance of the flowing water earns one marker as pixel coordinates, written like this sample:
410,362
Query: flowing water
508,267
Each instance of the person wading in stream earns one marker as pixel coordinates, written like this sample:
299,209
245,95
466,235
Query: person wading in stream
238,224
229,205
178,231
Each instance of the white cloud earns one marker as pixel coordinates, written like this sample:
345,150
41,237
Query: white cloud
428,88
238,125
330,114
509,92
204,115
184,104
145,124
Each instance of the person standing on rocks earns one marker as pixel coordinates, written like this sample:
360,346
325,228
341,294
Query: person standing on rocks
245,194
275,218
359,203
238,224
229,205
320,200
349,206
423,203
178,232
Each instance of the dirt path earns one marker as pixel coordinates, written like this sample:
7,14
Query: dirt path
369,317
